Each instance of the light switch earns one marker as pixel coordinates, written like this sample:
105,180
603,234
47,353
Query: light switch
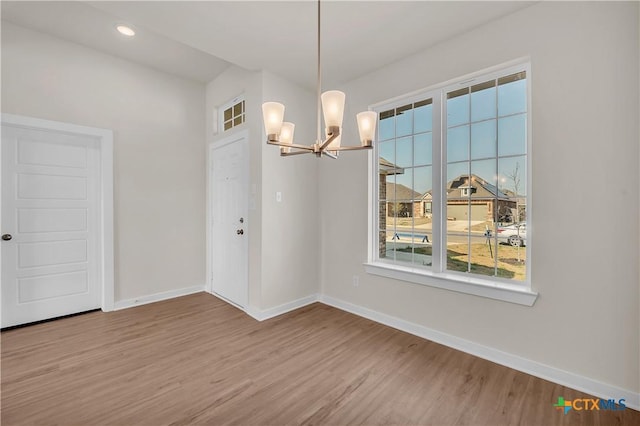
279,197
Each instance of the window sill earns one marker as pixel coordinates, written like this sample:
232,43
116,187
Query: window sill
470,285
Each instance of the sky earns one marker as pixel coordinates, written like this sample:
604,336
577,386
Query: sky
486,136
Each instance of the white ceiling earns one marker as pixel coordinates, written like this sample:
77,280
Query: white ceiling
198,39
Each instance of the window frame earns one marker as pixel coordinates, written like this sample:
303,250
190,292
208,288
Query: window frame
437,275
230,105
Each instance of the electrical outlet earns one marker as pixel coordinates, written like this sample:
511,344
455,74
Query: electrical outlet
356,281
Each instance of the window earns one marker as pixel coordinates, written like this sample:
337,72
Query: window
232,114
450,168
405,182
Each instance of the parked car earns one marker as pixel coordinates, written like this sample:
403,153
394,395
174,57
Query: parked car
515,235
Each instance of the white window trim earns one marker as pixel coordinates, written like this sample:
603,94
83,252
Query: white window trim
494,287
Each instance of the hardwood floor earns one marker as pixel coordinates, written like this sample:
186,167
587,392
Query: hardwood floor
197,360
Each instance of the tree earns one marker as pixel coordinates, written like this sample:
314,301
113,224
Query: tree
515,178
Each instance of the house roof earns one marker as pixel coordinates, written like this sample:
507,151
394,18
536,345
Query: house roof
401,192
483,188
387,168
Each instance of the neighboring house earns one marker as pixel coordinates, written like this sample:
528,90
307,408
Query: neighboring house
385,168
522,205
426,206
403,201
486,200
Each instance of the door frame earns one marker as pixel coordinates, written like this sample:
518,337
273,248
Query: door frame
105,144
211,146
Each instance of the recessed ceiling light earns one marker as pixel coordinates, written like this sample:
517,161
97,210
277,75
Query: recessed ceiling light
123,29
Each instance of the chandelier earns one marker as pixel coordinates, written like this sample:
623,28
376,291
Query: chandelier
332,105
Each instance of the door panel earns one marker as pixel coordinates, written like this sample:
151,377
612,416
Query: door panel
53,285
229,210
49,186
51,220
51,208
47,154
31,255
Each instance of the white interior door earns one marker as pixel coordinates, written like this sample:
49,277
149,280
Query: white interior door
229,196
51,242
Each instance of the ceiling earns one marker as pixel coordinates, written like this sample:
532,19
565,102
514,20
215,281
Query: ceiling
199,39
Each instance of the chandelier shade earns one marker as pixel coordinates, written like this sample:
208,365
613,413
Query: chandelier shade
367,127
286,136
334,146
333,108
272,115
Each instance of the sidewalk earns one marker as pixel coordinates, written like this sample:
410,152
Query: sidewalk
452,225
415,258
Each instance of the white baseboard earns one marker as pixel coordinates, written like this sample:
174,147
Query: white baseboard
265,314
227,301
143,300
556,375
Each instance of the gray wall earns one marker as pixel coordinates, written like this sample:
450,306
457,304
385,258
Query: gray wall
290,236
283,238
584,79
158,124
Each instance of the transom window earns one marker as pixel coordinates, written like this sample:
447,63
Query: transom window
232,114
451,190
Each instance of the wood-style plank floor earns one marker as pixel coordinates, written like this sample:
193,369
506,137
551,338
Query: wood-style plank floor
197,360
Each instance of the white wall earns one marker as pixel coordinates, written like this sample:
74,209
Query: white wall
158,124
283,241
290,239
585,69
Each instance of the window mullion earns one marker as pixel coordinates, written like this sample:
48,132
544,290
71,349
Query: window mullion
496,213
413,187
469,190
395,189
439,161
374,225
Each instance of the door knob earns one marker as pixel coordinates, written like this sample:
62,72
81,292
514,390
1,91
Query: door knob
7,237
239,232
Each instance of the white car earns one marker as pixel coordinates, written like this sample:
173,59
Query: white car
515,235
